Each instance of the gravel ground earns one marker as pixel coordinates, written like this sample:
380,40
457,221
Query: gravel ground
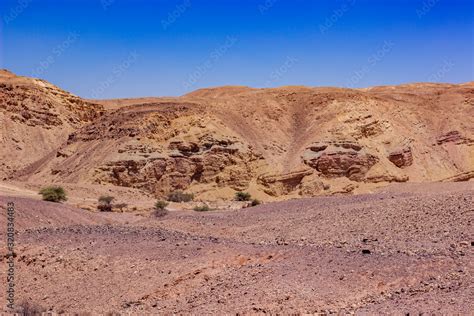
408,249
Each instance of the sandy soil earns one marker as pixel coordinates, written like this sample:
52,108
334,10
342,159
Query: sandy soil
406,249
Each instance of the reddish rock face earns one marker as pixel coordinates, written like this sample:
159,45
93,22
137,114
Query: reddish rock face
340,159
352,165
453,136
401,157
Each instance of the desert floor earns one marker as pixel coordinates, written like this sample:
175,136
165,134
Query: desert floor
404,249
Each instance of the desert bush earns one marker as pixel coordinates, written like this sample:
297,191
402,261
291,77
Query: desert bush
180,196
160,212
26,308
53,194
242,196
202,208
161,205
255,202
160,208
106,199
105,203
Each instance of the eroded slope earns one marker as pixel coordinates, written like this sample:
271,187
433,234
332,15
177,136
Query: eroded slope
275,143
36,118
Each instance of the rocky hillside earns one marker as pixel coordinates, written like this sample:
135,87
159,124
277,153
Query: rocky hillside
36,118
275,143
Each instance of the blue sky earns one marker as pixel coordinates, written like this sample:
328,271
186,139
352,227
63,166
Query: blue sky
131,48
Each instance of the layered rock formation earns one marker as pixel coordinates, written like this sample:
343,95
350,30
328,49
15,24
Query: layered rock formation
340,159
401,157
36,118
276,143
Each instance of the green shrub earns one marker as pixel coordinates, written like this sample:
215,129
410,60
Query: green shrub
161,205
53,194
105,203
255,202
202,208
160,208
242,196
180,196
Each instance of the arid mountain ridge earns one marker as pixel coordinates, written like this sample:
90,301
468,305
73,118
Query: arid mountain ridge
275,143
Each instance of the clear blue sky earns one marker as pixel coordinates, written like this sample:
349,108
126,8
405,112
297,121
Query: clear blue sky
130,48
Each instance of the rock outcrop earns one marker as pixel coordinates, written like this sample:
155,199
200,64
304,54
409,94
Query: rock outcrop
283,184
464,176
453,137
220,164
339,159
402,157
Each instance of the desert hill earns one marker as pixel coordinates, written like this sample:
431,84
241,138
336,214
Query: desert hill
275,143
36,118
